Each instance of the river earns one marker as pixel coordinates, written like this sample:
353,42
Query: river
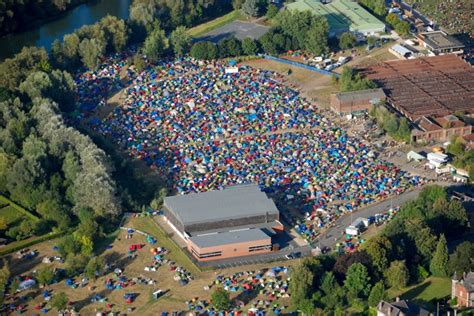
45,34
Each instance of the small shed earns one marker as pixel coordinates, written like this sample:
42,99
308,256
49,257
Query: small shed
413,155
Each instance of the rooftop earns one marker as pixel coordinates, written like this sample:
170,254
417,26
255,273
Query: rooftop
428,86
238,201
229,237
361,95
402,307
440,40
342,15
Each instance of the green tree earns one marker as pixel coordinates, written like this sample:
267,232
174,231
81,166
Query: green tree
156,45
45,276
75,264
95,267
90,51
462,259
220,299
439,262
317,38
357,281
379,249
59,301
397,275
333,293
377,294
237,4
139,62
204,50
180,41
252,7
4,276
301,283
249,46
347,40
272,11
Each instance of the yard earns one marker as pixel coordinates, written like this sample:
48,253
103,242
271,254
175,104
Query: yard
430,290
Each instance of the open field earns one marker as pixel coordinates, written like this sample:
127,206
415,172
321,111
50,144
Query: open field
239,29
117,254
10,214
204,28
431,289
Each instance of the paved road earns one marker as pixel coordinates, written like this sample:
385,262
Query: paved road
328,238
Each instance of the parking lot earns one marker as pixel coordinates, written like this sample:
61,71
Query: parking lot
239,29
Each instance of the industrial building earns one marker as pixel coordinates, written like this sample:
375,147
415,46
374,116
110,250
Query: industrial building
355,102
342,16
428,91
438,42
237,221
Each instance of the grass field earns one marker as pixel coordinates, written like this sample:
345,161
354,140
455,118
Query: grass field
204,28
430,290
149,226
15,208
10,215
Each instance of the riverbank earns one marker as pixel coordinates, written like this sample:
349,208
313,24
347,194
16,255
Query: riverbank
37,21
44,31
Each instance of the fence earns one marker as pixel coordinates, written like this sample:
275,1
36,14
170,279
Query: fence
294,63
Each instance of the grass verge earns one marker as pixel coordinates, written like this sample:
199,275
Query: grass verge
149,226
204,28
18,208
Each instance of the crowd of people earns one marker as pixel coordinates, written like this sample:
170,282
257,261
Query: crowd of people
205,127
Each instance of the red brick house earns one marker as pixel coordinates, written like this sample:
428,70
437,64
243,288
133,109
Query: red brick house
463,289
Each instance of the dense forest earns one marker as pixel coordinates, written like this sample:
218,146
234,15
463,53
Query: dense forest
17,15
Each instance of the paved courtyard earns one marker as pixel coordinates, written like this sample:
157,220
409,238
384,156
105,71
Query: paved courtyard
238,29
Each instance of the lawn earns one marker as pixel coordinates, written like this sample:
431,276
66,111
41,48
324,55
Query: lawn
149,226
204,28
430,290
15,208
10,215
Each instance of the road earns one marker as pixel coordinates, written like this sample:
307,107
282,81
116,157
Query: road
328,238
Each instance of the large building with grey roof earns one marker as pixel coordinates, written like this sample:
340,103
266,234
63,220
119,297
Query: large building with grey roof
236,221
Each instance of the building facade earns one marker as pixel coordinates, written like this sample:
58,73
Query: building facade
356,101
237,221
463,289
439,129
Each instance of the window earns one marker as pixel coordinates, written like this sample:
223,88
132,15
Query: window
206,255
260,248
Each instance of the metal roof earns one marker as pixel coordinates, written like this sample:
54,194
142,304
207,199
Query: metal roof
361,95
229,237
342,15
232,202
402,50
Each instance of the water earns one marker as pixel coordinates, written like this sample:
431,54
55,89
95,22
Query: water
45,34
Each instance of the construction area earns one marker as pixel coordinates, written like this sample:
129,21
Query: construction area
342,16
429,86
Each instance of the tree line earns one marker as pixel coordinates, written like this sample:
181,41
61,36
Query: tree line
409,249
